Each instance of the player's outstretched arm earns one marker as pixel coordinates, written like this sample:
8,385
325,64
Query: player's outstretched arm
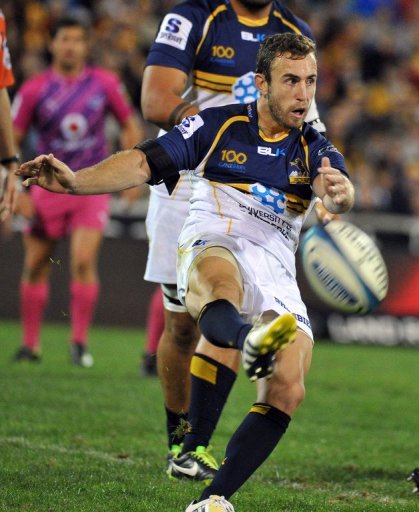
334,188
118,172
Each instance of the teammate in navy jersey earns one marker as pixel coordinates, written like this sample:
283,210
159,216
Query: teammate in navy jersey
214,44
259,168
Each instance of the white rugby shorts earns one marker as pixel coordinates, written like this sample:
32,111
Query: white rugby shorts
267,284
164,221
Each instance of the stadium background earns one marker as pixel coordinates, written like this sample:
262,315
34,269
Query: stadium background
368,95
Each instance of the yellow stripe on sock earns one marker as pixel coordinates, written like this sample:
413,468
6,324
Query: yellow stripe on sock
260,409
203,370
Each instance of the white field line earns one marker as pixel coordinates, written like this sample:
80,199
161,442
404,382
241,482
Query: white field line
25,443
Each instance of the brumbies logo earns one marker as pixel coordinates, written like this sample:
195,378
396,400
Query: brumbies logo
299,175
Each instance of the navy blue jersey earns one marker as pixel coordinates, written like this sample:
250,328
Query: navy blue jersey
207,39
245,184
225,145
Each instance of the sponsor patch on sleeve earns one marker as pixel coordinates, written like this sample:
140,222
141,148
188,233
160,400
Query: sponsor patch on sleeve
189,125
174,31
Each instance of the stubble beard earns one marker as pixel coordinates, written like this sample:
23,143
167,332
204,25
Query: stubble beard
278,115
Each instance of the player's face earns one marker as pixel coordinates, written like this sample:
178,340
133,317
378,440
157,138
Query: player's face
292,89
69,48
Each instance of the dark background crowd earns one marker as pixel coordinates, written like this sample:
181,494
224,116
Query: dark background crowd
368,90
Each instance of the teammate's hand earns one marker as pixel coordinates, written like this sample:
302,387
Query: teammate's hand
47,172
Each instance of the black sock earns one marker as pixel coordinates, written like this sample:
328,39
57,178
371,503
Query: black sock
248,448
222,325
211,385
175,431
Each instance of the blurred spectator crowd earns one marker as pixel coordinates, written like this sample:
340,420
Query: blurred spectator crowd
368,89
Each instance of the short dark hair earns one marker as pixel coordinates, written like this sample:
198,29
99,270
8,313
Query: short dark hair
296,46
68,22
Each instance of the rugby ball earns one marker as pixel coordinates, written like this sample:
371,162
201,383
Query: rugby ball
344,267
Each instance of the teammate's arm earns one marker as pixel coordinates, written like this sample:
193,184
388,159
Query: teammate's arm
7,156
161,96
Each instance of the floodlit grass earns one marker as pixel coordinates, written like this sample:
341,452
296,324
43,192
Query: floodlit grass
92,440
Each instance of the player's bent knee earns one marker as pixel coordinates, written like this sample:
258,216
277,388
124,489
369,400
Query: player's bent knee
183,331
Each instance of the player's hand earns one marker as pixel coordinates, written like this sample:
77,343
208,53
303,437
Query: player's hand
339,190
8,193
47,172
322,213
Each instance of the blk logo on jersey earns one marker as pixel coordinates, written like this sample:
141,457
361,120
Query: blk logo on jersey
174,31
255,38
267,151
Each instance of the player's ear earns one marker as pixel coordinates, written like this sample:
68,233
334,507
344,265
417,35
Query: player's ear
261,83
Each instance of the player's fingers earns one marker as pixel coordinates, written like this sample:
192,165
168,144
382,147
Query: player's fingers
30,181
326,161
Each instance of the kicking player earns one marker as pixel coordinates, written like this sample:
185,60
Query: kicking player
67,105
215,42
259,168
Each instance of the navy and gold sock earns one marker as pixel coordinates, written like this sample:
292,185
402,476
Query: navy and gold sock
174,426
211,385
221,324
248,448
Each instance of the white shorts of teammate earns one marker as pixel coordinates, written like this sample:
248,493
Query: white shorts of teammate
165,217
268,286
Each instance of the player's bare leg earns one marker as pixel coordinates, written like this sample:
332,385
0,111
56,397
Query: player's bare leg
174,354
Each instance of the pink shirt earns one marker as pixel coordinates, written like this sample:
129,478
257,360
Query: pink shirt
68,114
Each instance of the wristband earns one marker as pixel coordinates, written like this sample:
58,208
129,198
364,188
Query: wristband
10,160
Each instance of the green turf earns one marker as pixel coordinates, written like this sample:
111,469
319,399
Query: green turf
80,440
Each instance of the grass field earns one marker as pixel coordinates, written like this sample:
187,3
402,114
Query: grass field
93,440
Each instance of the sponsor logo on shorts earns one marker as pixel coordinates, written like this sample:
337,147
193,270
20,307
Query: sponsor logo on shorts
174,31
200,243
298,317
